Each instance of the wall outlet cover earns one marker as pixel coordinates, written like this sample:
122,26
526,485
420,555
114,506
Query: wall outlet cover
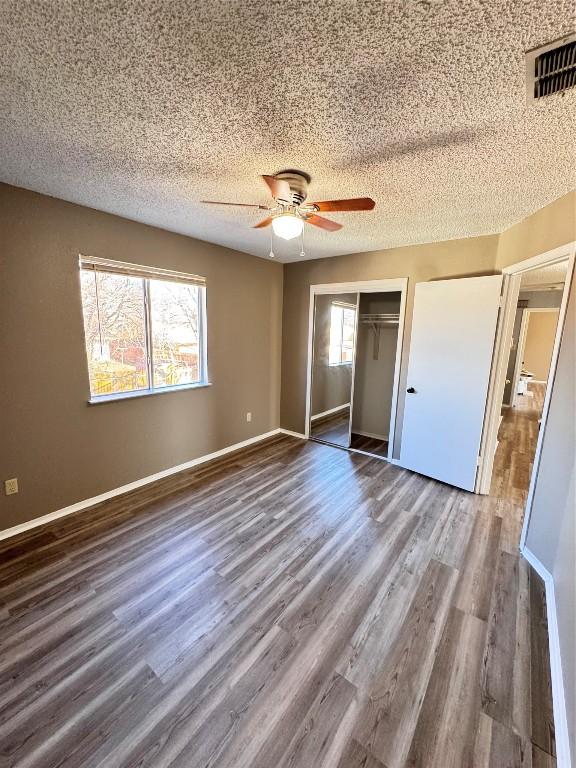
11,486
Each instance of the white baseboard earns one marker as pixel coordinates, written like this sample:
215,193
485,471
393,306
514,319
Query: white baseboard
292,434
370,434
80,505
329,412
558,696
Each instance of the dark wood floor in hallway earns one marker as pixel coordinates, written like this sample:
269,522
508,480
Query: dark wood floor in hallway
292,606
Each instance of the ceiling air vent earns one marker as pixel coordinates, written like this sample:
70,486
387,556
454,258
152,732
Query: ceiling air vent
551,68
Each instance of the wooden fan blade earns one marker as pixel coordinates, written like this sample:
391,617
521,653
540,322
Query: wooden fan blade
264,223
279,188
320,221
241,205
353,204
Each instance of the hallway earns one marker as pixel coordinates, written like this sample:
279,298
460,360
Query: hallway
518,435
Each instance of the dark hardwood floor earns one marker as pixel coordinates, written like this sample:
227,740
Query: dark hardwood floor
335,429
291,606
369,444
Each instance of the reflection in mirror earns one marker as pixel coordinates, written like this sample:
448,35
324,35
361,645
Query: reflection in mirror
332,358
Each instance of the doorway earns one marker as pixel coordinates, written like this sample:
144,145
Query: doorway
354,352
535,293
531,351
536,326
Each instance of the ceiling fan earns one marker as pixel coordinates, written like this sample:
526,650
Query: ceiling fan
290,211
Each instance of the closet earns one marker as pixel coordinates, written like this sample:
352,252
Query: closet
377,339
354,354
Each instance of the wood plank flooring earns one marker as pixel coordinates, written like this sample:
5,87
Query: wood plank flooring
291,606
334,428
369,444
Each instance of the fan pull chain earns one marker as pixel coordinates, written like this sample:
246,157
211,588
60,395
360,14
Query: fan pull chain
302,253
271,254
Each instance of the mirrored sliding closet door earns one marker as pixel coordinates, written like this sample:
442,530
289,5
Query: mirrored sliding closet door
333,349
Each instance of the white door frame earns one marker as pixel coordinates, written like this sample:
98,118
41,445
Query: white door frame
510,293
394,285
520,349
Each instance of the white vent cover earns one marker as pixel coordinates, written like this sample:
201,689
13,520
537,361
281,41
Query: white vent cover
551,68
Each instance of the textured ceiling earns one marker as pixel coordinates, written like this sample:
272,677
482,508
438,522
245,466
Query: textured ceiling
144,108
553,275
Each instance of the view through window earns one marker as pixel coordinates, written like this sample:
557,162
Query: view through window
142,333
342,323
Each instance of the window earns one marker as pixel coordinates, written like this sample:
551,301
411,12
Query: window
144,329
342,322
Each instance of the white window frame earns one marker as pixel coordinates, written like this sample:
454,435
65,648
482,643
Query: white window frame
343,306
88,263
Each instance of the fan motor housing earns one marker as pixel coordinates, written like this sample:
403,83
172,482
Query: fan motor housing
298,181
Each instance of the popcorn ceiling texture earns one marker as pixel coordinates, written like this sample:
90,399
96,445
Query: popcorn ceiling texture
144,108
556,273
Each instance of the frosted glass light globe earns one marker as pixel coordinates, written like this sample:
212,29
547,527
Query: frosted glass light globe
287,226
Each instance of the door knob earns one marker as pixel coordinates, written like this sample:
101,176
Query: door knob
411,390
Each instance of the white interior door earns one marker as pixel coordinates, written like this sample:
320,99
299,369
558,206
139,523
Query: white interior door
451,348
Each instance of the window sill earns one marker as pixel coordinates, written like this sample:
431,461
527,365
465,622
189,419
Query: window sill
98,400
338,365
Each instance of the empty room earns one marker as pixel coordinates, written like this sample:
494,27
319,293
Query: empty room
287,404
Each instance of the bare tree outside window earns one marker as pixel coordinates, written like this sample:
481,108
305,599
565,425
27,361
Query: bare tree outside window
115,329
175,341
131,348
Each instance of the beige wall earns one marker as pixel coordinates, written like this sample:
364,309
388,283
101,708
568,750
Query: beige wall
455,258
63,450
526,300
539,344
548,228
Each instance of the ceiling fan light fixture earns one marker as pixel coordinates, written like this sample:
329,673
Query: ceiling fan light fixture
287,226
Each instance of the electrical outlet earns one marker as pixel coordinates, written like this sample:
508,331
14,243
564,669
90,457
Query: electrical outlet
248,416
11,486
